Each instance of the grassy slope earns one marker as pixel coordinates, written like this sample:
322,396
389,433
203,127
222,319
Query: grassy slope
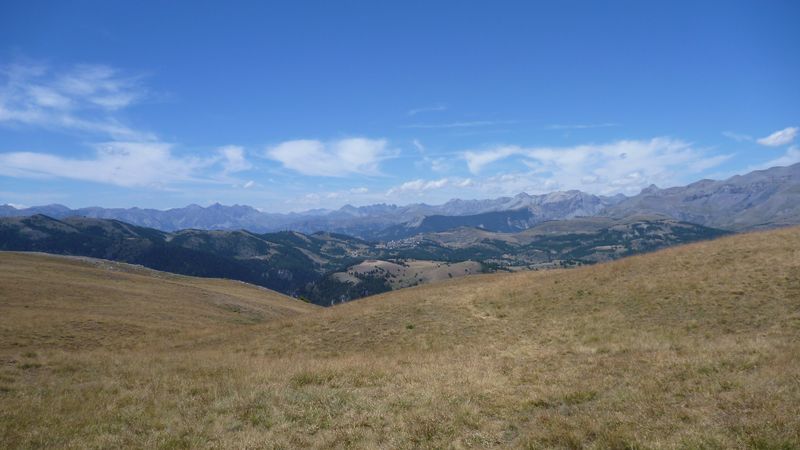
55,302
688,347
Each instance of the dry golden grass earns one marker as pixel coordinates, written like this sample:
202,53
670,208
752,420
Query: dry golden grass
80,303
691,347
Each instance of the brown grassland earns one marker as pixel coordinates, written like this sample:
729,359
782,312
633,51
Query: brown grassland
690,347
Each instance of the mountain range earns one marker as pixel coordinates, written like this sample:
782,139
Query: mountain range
759,199
360,251
370,221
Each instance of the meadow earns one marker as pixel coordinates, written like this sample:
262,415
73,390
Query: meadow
690,347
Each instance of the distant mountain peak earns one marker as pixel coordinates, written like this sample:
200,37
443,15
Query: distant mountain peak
758,199
650,189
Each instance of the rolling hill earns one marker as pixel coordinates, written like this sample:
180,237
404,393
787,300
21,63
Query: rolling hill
557,243
319,267
286,261
689,347
68,302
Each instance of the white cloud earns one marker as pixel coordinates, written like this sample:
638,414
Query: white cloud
331,199
48,98
779,138
99,85
439,164
477,160
233,159
704,164
80,98
86,98
436,164
621,166
149,164
466,182
420,185
792,156
332,159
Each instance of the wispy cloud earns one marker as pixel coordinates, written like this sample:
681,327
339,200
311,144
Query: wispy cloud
581,126
782,137
738,137
419,186
621,166
792,156
434,108
327,199
334,158
477,160
129,164
79,98
466,124
87,99
438,163
233,159
418,145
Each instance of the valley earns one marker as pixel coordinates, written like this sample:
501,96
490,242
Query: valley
327,268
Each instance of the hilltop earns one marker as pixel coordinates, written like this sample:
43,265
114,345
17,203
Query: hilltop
688,347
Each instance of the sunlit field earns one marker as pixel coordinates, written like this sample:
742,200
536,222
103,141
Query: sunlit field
690,347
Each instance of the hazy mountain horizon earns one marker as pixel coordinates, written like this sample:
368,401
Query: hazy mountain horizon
383,220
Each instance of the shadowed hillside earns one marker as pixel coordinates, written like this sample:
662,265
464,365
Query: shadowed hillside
689,347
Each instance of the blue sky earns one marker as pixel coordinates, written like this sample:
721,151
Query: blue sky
298,105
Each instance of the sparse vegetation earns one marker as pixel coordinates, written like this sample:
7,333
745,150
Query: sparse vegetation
690,347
